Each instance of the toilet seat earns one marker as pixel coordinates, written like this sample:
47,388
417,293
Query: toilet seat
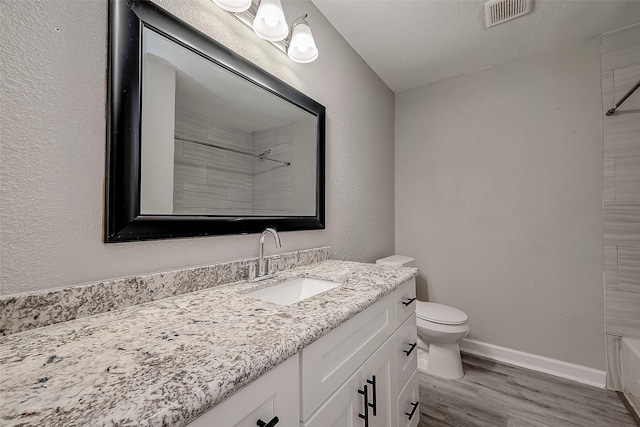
440,313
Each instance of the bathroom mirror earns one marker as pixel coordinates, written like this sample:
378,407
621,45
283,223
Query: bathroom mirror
202,142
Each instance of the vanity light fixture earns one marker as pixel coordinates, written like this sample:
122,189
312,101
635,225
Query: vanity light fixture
267,20
233,5
270,23
302,48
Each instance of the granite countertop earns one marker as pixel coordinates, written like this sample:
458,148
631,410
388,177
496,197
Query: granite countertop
167,361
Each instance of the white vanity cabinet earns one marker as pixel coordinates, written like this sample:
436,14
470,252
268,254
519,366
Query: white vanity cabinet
331,360
361,374
376,347
273,395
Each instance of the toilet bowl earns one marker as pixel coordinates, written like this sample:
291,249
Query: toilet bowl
440,329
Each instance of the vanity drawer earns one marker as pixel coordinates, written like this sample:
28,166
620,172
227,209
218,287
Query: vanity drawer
275,394
406,350
327,363
408,410
405,301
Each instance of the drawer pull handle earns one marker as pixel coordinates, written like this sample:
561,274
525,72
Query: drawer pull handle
271,423
408,302
365,417
408,352
413,411
373,383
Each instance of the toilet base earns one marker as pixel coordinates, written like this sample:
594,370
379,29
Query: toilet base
442,360
423,361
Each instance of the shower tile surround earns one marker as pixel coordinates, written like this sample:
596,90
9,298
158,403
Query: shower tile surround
27,311
167,361
621,134
218,182
272,181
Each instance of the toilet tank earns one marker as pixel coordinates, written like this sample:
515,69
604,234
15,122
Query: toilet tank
397,261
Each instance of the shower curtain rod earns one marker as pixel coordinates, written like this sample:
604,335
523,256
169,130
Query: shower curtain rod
210,144
612,111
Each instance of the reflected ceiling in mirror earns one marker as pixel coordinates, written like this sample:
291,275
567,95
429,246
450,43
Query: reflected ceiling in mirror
202,142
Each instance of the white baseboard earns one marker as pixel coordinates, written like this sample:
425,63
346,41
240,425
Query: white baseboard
633,402
570,371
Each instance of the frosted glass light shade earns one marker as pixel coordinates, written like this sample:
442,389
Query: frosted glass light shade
302,47
269,22
233,5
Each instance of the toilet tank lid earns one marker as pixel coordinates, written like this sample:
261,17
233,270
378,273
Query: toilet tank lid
440,313
396,261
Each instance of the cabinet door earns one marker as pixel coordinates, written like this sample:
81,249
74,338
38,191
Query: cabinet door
378,373
275,394
327,363
344,407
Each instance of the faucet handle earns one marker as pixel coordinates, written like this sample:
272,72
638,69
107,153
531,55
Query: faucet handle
252,269
273,264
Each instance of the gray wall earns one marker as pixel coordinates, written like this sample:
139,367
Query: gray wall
498,197
53,146
620,71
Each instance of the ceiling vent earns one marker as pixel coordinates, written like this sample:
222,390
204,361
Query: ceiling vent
499,11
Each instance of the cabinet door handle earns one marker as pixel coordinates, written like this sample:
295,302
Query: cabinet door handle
413,411
408,302
408,352
271,423
373,383
365,417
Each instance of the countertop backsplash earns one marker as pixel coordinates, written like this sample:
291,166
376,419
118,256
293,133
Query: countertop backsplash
23,312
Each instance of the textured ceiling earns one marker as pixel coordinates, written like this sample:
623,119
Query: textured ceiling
414,42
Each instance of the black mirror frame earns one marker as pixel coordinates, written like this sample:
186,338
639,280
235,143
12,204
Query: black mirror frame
123,221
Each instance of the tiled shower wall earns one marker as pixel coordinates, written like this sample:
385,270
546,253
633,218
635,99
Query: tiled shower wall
620,71
272,181
210,180
213,181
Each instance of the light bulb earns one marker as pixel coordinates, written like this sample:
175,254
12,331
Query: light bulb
233,5
302,47
270,23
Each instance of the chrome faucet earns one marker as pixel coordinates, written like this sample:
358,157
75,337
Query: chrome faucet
262,264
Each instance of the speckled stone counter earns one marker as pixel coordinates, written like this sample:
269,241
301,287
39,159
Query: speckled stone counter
21,312
167,361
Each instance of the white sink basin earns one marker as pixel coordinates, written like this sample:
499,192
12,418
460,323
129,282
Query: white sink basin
293,291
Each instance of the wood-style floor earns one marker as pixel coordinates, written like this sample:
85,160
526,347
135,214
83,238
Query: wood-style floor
497,395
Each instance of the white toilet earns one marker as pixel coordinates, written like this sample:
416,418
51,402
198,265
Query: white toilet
440,329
